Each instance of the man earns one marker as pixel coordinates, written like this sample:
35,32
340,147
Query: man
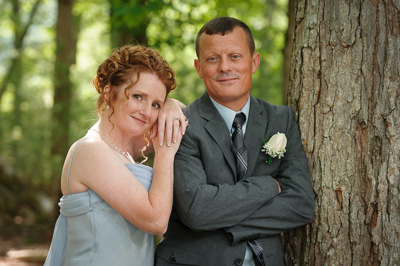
228,208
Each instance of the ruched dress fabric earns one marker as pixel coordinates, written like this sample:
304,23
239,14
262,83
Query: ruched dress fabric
90,232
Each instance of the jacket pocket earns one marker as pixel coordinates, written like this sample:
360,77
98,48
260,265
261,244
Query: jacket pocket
174,255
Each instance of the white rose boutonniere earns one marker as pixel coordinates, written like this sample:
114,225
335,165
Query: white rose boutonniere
274,147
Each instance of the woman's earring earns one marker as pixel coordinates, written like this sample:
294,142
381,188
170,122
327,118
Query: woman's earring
147,144
148,133
108,107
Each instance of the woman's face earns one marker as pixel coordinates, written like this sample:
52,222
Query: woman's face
138,113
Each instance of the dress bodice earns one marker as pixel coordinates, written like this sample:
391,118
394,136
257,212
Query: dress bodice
90,232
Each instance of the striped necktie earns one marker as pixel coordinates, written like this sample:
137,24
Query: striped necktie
240,151
239,146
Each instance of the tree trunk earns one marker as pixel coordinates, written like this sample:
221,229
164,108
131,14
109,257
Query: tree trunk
345,90
65,57
287,51
17,74
20,30
14,73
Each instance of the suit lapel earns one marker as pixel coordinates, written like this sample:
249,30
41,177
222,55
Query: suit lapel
257,123
215,126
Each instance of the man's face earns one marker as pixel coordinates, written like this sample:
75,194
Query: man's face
226,67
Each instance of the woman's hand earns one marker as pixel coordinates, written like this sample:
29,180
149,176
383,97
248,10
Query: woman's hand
166,151
171,121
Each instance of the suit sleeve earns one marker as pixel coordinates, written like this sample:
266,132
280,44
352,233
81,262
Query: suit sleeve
204,206
294,206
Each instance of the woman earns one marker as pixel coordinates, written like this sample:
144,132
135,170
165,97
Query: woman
111,205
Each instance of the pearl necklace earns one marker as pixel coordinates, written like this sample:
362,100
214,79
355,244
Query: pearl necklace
126,154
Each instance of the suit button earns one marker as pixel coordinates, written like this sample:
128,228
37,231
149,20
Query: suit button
238,262
172,258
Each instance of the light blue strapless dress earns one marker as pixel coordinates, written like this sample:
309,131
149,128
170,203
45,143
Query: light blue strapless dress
90,232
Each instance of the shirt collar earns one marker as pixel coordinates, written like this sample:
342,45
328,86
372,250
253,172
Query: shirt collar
229,115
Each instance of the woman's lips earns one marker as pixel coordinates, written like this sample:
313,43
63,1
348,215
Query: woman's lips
140,121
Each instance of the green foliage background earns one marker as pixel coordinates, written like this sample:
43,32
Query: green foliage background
172,29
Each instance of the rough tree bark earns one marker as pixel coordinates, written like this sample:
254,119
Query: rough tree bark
287,51
345,90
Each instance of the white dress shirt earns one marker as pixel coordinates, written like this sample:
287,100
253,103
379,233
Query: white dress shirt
229,115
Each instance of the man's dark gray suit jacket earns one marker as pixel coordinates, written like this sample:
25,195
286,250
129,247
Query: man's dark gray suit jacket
214,214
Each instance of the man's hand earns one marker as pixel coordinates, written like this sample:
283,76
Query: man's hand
279,186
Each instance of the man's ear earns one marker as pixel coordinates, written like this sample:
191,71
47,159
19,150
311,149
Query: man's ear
255,62
197,66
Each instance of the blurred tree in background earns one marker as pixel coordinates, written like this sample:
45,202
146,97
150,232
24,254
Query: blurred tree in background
66,44
50,51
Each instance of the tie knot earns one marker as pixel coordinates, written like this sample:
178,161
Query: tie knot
239,120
